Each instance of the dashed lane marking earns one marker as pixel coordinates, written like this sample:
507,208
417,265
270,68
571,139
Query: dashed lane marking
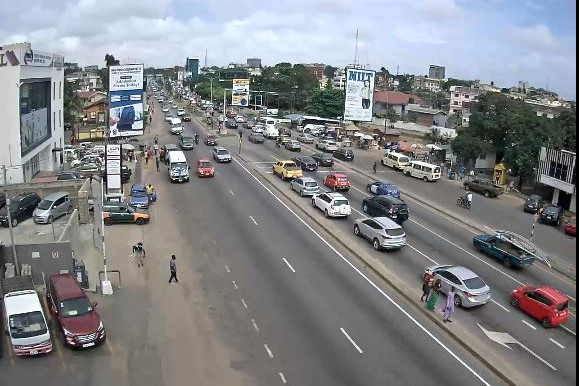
227,269
529,324
252,219
557,343
283,380
500,305
269,353
244,303
235,284
254,324
352,341
289,265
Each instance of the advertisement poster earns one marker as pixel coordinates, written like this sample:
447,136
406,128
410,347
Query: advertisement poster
240,95
359,95
125,100
113,164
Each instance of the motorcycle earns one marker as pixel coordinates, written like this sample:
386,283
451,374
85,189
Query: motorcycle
197,139
463,202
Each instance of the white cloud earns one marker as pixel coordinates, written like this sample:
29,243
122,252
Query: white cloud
537,38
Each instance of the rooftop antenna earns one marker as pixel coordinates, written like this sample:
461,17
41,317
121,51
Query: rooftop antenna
206,58
397,70
356,50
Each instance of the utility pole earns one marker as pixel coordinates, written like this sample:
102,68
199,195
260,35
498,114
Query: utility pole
211,80
106,286
9,217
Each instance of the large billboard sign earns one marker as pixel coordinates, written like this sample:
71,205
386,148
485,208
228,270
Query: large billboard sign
359,95
113,162
240,94
125,100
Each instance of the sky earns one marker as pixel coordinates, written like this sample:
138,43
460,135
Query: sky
504,41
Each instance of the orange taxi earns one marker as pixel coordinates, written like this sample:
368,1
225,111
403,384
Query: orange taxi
205,168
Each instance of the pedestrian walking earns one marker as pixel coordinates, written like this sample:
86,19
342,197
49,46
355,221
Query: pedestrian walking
461,171
155,148
91,180
140,254
146,158
157,163
374,167
427,280
433,296
449,308
173,269
156,139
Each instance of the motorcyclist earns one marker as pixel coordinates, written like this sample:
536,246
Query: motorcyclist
278,142
150,189
468,199
197,138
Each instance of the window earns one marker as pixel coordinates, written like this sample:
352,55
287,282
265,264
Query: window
59,118
456,95
416,167
54,121
466,96
455,103
53,91
60,89
450,277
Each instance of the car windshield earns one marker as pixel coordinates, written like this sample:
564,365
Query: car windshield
311,184
325,156
45,204
182,165
474,283
403,159
340,202
290,165
186,139
562,306
27,325
75,307
222,152
395,232
205,164
138,193
436,170
552,210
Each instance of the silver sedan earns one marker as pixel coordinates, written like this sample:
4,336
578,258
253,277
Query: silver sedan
305,186
382,232
469,289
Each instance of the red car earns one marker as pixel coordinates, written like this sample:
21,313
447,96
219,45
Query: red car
571,226
544,303
205,168
79,324
336,181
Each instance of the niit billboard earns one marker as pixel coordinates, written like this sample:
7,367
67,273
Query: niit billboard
125,100
359,95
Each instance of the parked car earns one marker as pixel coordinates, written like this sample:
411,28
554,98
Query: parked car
543,303
551,215
392,207
186,142
211,140
327,145
90,170
220,154
120,212
52,207
205,168
344,154
305,138
80,326
469,289
240,119
256,138
126,173
21,208
186,117
332,204
293,145
2,200
533,203
66,175
571,226
306,163
382,232
337,181
323,159
287,170
305,186
87,159
487,188
383,188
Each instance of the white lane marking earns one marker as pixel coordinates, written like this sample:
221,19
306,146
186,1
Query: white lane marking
369,281
467,252
529,324
500,305
568,330
360,213
289,265
254,324
557,343
235,284
252,219
489,228
282,377
263,162
352,341
270,172
422,253
227,269
269,353
274,157
361,191
231,191
244,303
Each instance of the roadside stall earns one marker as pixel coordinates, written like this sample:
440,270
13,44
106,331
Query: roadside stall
367,142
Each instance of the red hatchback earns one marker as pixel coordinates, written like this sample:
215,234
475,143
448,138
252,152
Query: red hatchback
544,303
80,326
336,181
205,168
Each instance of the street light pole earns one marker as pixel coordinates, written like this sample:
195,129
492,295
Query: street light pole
9,217
211,80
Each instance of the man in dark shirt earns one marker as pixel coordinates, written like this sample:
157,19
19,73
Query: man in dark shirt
173,269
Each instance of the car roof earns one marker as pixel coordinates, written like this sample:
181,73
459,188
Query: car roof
219,148
308,179
55,196
22,195
394,200
335,195
338,175
553,293
387,222
461,272
66,286
203,160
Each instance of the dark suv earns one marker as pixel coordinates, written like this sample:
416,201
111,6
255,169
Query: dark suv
344,154
533,204
386,206
21,207
551,215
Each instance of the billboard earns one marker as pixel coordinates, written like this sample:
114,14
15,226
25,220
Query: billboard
240,93
35,122
113,164
125,100
359,95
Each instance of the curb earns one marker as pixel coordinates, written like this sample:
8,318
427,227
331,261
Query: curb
393,285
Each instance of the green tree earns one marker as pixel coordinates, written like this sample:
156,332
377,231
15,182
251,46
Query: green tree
567,121
327,103
456,82
72,105
391,115
330,71
468,147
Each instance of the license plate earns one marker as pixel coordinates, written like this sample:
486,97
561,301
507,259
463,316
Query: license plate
88,345
33,352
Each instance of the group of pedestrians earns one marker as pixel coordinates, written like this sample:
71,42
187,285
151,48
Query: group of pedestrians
430,293
139,253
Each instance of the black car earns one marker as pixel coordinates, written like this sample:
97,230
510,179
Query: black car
386,206
2,200
126,173
231,124
344,154
186,118
551,215
186,142
21,207
68,175
323,159
250,123
533,204
306,163
211,140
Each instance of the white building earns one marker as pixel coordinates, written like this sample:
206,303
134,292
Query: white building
425,83
460,99
31,96
87,80
339,80
557,169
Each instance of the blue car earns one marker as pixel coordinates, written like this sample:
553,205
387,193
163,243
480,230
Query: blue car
138,197
381,188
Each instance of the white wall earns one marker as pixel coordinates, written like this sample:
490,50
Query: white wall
10,120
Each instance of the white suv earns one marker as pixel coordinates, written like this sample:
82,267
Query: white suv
327,145
332,204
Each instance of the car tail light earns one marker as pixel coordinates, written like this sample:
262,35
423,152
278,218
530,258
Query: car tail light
391,211
386,237
468,294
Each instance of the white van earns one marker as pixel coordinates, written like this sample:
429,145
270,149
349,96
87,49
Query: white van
395,160
178,167
176,126
423,170
270,132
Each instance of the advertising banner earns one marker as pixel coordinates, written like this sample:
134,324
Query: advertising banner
359,95
113,163
125,100
240,94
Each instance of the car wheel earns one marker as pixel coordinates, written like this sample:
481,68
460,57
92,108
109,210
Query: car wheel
382,162
314,202
356,230
466,187
376,244
425,179
487,194
546,323
408,174
457,301
515,302
365,208
50,219
108,221
326,213
301,193
14,222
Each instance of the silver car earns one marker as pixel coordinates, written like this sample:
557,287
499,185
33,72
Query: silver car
470,290
382,232
305,186
220,154
305,138
52,207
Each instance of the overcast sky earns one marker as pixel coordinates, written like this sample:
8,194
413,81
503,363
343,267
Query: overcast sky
500,40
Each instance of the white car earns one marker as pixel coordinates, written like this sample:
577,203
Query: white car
313,129
327,145
240,119
174,106
87,159
181,112
165,109
305,186
258,129
332,204
168,118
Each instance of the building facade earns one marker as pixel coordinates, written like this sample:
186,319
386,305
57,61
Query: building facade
557,170
316,70
192,68
339,80
253,63
436,72
31,96
460,99
87,80
428,84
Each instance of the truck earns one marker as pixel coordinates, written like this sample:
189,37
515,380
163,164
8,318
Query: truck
511,249
178,167
23,317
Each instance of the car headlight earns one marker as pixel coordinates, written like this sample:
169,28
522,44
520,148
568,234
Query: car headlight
101,326
67,333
